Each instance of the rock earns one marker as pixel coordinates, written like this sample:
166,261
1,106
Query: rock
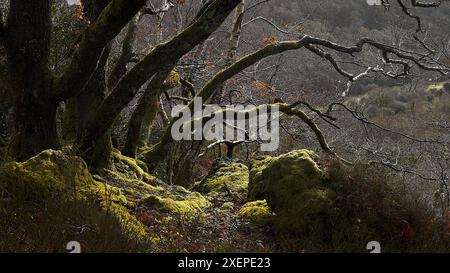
146,191
256,211
256,190
46,173
294,186
226,177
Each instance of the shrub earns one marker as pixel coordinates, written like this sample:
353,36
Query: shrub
373,204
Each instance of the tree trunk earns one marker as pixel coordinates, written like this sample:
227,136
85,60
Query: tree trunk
147,109
28,46
87,101
69,122
92,95
34,129
161,57
120,69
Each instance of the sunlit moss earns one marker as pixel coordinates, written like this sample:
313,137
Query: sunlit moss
131,167
226,178
295,190
54,173
227,206
256,211
188,206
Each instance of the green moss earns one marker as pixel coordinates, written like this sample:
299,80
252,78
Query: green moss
53,173
44,174
134,189
294,185
132,168
225,178
227,206
153,155
187,207
256,211
256,182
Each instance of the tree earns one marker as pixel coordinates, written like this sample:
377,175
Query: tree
37,92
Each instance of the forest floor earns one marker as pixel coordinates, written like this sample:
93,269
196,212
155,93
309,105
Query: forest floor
52,199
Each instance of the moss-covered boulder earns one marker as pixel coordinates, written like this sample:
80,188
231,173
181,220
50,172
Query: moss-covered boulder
187,207
256,190
226,178
294,187
55,174
147,192
256,211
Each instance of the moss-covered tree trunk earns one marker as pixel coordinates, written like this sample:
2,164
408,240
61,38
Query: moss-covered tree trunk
35,92
28,46
162,57
120,69
147,109
91,97
150,99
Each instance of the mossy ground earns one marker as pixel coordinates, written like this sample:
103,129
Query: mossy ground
124,209
52,199
59,190
187,206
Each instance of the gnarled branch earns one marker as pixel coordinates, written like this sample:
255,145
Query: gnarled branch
109,23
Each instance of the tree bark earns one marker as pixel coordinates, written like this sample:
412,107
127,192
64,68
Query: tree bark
2,27
34,129
35,92
150,101
87,101
69,121
28,46
164,56
112,19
